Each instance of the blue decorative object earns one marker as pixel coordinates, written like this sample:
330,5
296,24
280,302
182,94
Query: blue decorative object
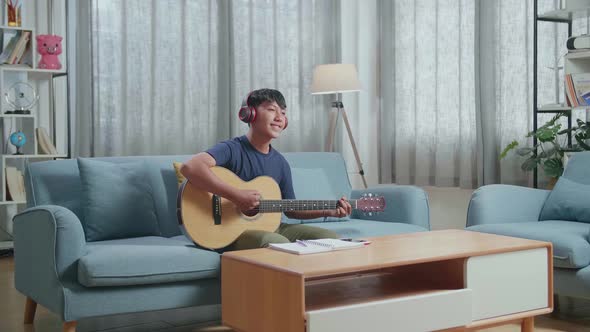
18,139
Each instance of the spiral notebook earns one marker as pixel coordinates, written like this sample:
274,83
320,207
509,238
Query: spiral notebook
303,247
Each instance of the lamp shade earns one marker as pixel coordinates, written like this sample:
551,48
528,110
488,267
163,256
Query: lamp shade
335,78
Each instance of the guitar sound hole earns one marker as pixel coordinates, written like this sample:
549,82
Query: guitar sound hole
250,213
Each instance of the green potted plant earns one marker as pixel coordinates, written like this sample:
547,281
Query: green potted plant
551,146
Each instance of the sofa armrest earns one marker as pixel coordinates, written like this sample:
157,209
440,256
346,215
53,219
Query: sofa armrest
48,241
500,203
403,204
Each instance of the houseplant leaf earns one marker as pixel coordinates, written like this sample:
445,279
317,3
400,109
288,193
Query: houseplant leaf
553,167
529,164
548,134
509,147
524,151
581,139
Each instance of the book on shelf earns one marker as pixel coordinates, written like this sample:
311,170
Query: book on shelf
15,185
44,143
20,48
9,40
577,89
581,42
303,247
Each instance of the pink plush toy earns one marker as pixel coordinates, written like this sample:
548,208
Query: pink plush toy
49,46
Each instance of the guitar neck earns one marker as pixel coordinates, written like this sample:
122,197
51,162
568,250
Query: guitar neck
284,205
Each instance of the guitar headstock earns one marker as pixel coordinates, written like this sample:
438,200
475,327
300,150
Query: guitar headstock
370,203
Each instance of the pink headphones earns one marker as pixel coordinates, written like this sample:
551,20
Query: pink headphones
247,113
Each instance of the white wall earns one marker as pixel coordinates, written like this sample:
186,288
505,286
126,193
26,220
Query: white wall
448,207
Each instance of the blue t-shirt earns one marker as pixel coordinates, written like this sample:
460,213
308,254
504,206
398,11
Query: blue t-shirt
239,156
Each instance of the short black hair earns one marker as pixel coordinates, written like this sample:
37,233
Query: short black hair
260,96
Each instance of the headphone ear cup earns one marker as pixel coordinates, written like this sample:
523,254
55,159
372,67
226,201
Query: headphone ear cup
245,114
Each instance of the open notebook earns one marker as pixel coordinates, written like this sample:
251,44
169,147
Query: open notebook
302,247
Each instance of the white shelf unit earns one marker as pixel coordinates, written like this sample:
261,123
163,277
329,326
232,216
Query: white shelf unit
574,62
27,123
23,68
52,110
563,14
567,10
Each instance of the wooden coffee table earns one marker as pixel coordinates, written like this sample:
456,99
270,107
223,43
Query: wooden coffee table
452,280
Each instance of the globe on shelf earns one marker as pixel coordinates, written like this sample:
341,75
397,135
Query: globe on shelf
18,139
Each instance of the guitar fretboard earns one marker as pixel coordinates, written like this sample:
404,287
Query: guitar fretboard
284,205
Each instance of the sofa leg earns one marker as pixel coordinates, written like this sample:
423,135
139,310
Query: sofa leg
70,326
30,308
528,324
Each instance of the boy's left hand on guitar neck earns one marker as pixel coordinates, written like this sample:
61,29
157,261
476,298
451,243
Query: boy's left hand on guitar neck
344,209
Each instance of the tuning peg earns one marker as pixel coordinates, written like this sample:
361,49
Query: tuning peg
370,214
370,195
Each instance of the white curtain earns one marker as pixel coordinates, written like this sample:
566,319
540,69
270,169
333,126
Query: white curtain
276,44
453,79
158,71
168,76
457,87
428,101
505,86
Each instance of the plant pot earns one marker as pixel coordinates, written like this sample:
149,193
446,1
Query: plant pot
551,183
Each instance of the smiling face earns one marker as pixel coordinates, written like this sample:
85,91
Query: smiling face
270,120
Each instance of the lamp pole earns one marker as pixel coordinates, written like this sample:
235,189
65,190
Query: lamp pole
337,108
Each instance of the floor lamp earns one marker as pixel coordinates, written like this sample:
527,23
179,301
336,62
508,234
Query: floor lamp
337,79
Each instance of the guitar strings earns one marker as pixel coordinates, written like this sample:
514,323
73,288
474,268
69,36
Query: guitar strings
297,205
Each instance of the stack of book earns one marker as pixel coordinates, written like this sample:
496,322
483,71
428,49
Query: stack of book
577,89
15,47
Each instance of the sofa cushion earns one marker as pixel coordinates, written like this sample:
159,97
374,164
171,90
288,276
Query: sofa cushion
145,260
570,239
357,228
314,184
118,200
569,200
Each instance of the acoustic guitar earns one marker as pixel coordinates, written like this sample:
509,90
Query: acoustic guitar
214,222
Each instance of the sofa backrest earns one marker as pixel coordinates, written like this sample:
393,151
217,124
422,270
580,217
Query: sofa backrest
57,182
578,167
319,175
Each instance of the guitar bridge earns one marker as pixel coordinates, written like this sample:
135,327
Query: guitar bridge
216,201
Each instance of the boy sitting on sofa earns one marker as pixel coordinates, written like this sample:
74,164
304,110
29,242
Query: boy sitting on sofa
250,156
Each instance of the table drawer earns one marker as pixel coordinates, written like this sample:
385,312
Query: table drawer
507,283
426,311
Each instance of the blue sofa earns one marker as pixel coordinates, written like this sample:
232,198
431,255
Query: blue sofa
561,216
58,268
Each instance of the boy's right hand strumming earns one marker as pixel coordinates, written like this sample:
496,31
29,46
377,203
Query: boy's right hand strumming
246,199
